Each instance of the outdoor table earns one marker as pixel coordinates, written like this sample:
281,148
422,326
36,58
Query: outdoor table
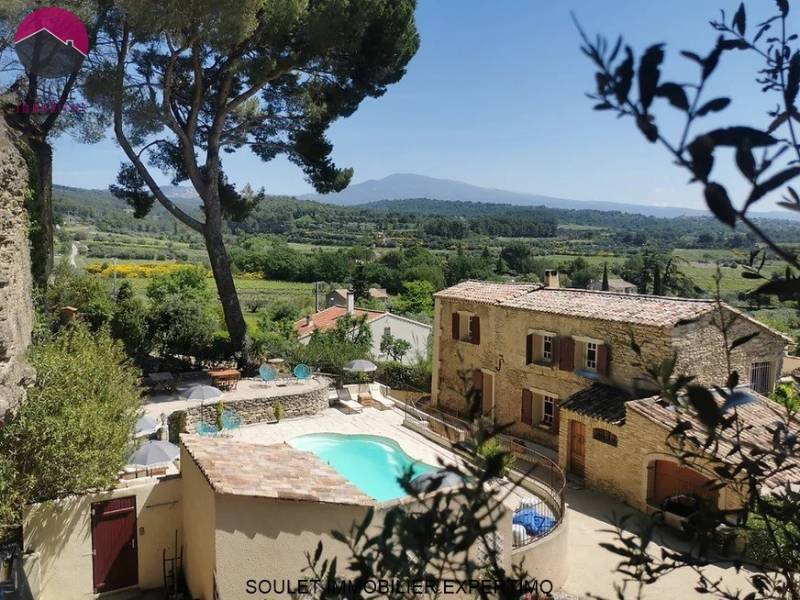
225,379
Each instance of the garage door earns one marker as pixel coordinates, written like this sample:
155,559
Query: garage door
672,478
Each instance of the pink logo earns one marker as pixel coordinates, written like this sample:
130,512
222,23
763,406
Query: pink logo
51,42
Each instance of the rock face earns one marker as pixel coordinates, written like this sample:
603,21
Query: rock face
16,306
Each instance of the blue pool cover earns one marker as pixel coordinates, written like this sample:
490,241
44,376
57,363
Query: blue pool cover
535,524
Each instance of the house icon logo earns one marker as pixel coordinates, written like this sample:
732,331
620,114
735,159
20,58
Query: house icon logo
51,42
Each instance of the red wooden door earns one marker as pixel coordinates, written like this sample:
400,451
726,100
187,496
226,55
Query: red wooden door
115,560
577,448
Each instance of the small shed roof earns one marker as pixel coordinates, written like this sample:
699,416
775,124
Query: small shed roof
599,401
269,471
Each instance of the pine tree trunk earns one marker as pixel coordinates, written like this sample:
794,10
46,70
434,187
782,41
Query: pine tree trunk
40,209
226,288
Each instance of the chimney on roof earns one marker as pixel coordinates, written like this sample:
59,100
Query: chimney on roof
351,302
551,278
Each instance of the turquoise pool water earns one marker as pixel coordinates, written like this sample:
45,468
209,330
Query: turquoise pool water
369,462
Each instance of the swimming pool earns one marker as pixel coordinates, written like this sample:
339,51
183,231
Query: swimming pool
371,463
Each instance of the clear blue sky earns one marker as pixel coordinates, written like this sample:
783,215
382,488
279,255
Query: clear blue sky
494,97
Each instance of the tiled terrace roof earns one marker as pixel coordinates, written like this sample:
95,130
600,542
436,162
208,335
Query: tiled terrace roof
326,319
759,416
599,401
269,471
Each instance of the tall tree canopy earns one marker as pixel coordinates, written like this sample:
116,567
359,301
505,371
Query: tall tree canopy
22,91
189,80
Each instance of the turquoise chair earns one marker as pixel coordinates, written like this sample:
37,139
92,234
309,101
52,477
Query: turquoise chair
231,420
206,430
267,373
302,371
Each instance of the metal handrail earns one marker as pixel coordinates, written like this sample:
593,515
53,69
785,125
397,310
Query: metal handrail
551,490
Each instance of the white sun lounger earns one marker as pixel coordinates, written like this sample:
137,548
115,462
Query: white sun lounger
346,400
376,391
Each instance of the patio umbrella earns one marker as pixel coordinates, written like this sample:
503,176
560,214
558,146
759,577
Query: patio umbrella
429,482
361,366
147,425
203,393
154,454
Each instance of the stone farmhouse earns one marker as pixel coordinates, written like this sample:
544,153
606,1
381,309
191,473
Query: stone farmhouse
554,362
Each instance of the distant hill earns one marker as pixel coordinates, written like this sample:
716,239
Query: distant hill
72,197
404,186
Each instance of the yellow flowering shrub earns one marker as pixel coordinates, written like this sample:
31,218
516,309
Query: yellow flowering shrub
137,270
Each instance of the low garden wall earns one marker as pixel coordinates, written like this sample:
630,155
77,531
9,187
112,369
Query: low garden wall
309,400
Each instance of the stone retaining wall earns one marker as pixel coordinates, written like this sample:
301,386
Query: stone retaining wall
309,401
16,307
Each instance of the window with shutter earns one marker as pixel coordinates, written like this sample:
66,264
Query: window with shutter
547,348
456,330
475,329
529,349
566,354
527,407
477,379
548,410
556,419
602,359
590,356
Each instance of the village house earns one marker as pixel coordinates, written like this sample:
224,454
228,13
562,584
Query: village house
380,322
615,284
553,362
338,297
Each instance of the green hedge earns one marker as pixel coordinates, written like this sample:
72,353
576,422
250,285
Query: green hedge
399,376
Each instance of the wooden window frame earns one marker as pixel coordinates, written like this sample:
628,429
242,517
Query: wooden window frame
594,347
547,355
552,401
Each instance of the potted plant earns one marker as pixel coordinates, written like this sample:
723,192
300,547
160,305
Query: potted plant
279,411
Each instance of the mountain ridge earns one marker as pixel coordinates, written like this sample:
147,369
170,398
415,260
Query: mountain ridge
406,186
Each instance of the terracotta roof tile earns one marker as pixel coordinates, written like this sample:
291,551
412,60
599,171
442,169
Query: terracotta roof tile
274,471
326,319
759,416
658,311
486,292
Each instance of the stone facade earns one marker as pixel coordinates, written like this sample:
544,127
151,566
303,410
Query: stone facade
622,471
260,410
502,351
700,349
501,356
16,307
